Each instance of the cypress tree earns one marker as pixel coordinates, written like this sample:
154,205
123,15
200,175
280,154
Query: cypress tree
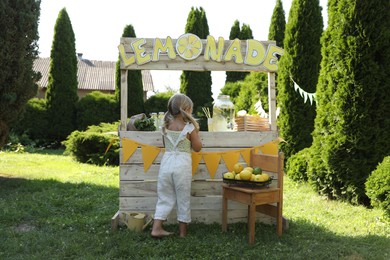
278,24
197,85
61,94
18,50
135,90
300,62
244,33
352,126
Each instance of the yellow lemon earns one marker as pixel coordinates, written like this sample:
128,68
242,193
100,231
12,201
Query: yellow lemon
249,169
237,177
259,178
228,175
253,177
245,175
189,46
265,176
238,167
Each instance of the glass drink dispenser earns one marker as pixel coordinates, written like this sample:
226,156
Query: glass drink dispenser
223,114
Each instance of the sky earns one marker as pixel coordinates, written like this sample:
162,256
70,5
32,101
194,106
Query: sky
98,26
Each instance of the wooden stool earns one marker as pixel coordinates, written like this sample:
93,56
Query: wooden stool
258,199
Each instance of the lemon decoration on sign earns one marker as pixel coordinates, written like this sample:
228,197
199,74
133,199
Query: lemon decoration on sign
189,46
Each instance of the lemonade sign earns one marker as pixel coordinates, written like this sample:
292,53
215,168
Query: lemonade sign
190,52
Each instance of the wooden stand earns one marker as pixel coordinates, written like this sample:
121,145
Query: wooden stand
258,199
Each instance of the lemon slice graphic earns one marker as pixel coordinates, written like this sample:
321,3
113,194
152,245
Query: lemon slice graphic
189,46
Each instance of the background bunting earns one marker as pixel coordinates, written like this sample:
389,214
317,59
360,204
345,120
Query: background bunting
304,94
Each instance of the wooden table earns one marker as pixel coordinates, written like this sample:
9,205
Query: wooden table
257,199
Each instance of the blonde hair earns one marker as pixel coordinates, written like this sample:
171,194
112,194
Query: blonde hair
179,104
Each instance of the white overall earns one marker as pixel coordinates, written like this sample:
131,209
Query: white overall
175,176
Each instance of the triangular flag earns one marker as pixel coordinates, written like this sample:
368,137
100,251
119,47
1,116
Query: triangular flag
270,148
301,92
196,158
231,158
246,154
149,154
305,97
212,161
128,148
295,86
311,98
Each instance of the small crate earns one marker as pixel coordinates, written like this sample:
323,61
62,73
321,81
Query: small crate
252,123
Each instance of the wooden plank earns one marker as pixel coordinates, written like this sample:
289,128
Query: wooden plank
272,101
135,172
265,162
199,64
209,139
115,221
212,216
149,43
203,203
149,188
137,155
123,100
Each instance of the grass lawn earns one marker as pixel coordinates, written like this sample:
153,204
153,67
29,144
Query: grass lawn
52,207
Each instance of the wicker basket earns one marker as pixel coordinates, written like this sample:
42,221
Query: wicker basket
252,123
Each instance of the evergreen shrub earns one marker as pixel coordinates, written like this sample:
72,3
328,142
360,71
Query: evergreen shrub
296,165
378,186
158,102
34,122
90,146
96,108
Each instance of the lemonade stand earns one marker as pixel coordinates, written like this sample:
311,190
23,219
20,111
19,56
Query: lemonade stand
141,152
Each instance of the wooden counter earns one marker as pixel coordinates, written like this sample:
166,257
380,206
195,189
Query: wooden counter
138,190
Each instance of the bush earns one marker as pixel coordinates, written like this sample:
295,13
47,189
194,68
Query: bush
296,166
90,146
158,102
96,108
378,186
34,122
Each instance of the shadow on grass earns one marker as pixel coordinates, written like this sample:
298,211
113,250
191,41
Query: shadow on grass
48,219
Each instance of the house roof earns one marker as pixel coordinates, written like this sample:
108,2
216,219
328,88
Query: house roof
92,74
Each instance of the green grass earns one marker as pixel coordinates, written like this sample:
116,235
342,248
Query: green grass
52,207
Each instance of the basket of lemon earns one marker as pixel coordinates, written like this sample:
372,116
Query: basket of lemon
248,176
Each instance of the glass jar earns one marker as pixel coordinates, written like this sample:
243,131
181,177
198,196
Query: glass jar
155,120
160,119
223,114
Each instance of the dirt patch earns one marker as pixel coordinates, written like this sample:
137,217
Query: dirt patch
24,228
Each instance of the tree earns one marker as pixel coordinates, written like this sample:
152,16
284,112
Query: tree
61,94
278,24
135,91
197,85
352,126
18,50
301,63
244,33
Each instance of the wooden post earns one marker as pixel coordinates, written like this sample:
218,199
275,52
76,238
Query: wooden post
123,100
272,100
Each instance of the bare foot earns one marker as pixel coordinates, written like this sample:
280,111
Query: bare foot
160,234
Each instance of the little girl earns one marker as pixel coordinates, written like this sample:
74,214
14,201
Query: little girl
180,134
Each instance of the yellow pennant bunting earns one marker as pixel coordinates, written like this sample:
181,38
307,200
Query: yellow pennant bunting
270,148
196,158
149,154
212,162
128,148
246,154
231,158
